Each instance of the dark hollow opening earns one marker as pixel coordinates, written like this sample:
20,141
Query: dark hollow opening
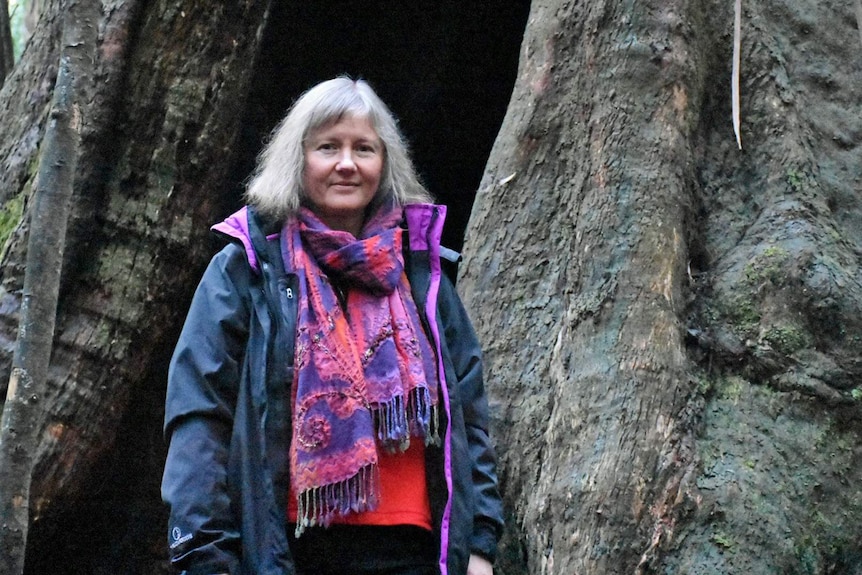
446,69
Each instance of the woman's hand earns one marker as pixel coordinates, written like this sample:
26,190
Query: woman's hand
479,566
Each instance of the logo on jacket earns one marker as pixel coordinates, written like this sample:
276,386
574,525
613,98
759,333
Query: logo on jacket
178,537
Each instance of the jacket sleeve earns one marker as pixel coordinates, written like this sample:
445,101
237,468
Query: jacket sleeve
467,359
203,380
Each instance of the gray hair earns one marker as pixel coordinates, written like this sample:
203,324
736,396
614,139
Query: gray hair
276,188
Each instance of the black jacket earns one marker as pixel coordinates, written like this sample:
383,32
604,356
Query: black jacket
227,411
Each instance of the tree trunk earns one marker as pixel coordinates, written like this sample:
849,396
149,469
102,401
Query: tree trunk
156,154
22,412
671,325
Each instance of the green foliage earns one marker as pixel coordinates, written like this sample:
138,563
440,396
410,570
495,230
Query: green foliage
20,34
741,312
10,216
767,266
795,179
704,385
731,387
723,540
786,338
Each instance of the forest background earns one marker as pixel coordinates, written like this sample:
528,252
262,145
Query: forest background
672,317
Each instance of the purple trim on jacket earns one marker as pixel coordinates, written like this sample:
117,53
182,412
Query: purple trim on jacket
236,226
425,228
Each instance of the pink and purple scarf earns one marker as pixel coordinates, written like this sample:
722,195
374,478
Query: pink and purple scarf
365,375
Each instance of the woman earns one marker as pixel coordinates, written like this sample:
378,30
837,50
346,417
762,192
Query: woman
325,405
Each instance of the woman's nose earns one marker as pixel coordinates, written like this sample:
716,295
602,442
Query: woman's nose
345,162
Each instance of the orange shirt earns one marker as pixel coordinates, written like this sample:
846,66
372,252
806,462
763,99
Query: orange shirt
403,492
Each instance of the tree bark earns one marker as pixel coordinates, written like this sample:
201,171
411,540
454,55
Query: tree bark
155,157
578,296
22,411
655,303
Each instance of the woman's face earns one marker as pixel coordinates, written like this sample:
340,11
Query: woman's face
343,167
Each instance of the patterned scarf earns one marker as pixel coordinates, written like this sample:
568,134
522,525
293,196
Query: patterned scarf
365,375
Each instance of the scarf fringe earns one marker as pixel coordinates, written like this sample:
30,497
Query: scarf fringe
320,505
396,422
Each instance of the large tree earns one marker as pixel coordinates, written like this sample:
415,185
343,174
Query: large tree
672,325
154,158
